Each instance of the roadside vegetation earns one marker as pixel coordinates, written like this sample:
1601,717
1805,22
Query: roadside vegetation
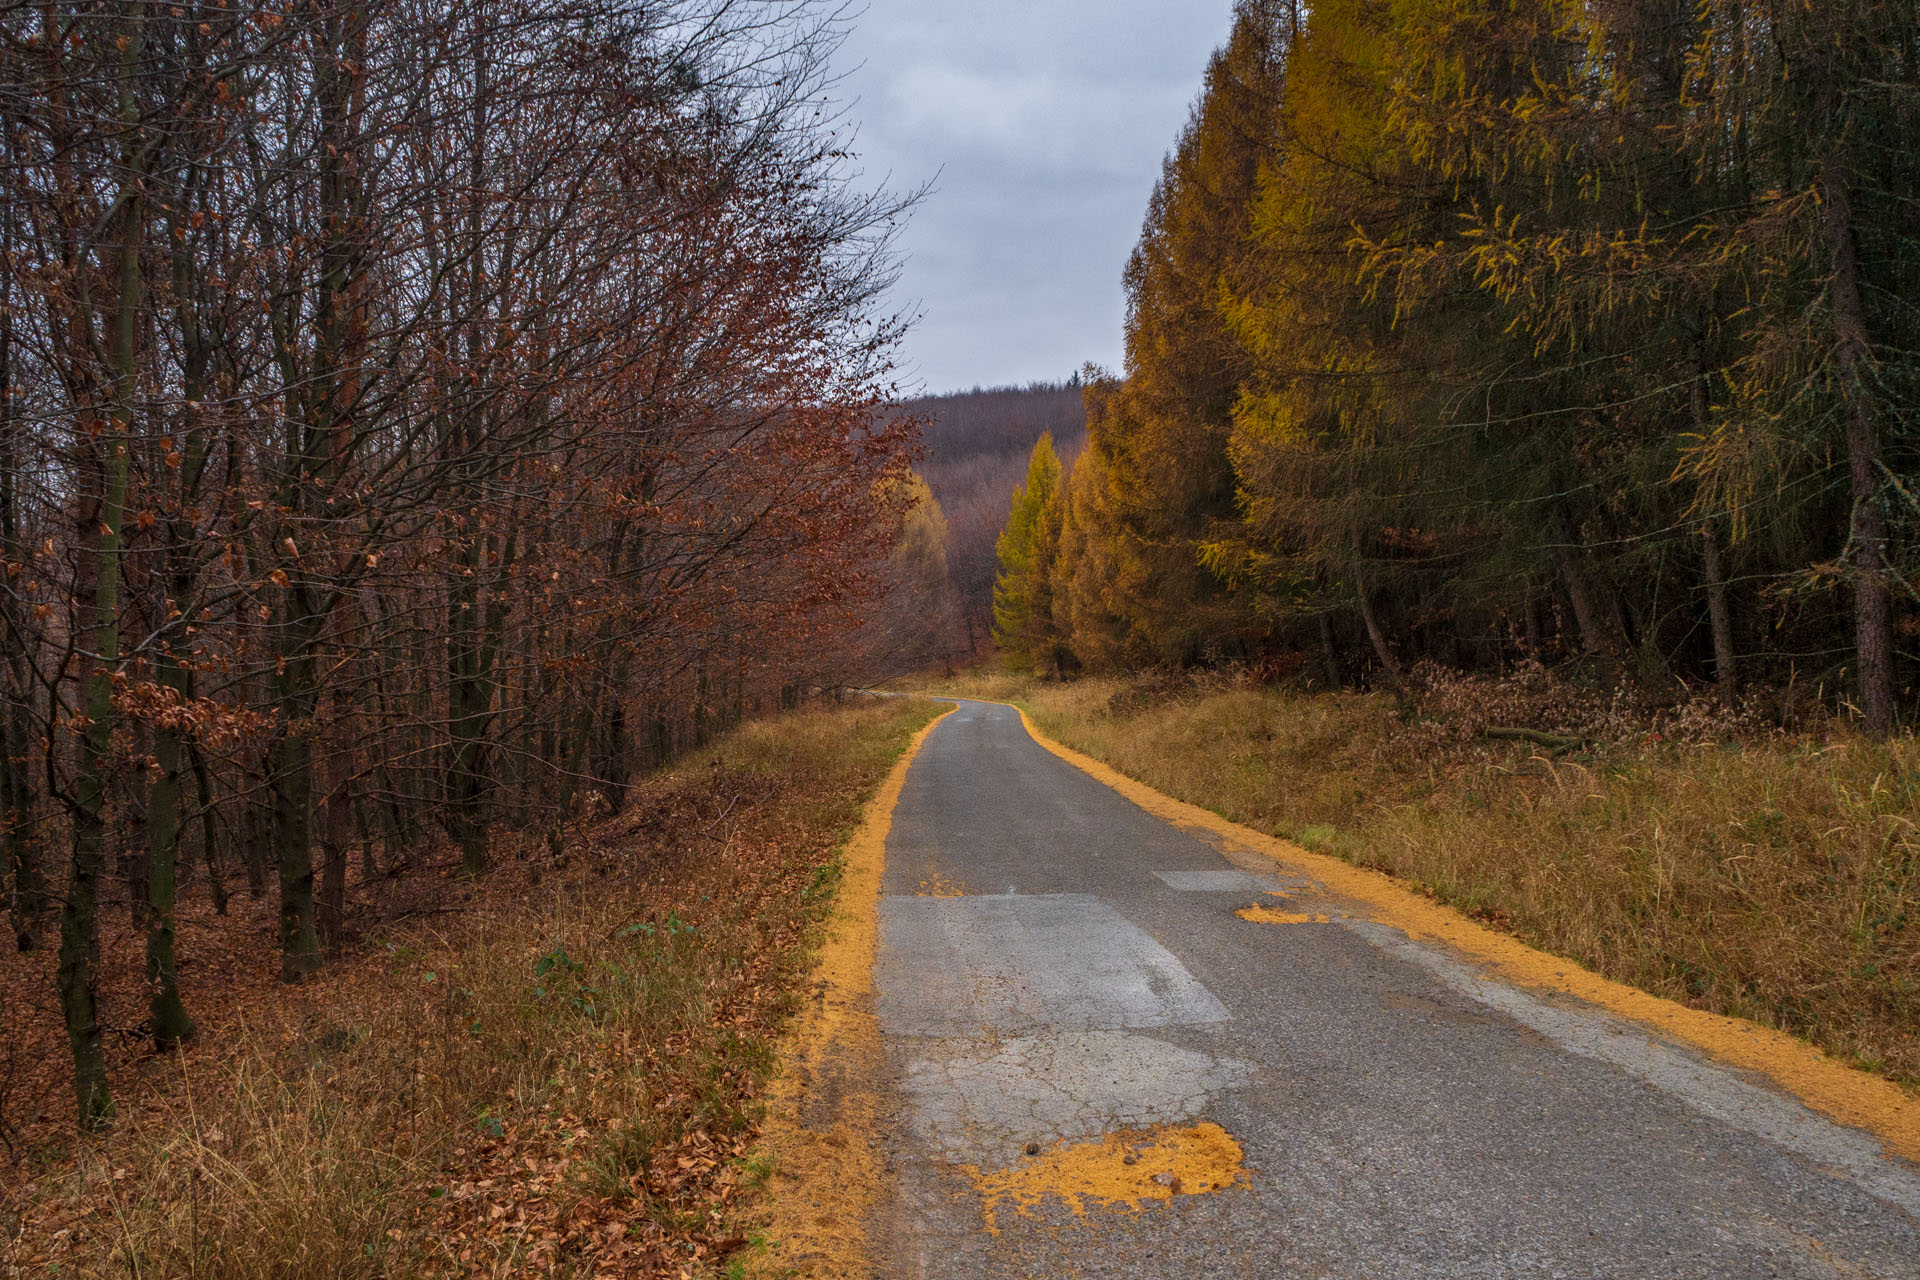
558,1076
1693,853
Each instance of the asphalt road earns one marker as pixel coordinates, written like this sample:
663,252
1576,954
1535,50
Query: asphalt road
1069,1000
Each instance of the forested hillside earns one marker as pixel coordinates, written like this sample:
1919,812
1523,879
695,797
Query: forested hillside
411,418
1477,332
976,452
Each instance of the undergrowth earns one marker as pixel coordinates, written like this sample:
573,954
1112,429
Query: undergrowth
562,1083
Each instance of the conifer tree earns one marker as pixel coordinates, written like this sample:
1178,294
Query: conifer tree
1023,624
1161,437
1564,329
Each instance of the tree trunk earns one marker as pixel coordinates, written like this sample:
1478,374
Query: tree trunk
1388,663
291,789
1594,636
248,812
170,1023
27,899
209,832
335,835
1726,671
1328,653
18,816
1853,353
101,514
476,631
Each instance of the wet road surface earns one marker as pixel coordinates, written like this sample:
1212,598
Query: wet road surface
1098,1066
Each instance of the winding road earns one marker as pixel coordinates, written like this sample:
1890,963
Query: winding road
1116,1048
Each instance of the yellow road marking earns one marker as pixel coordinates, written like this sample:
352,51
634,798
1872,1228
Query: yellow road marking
832,1173
1850,1096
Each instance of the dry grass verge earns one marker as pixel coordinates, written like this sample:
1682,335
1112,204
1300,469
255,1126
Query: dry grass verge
1769,876
561,1081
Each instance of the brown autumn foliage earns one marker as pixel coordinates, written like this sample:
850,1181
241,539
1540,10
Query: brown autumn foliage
412,418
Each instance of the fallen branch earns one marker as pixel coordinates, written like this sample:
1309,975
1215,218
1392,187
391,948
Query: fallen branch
1555,742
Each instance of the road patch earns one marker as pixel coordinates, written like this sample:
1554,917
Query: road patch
1218,881
957,967
939,886
981,1103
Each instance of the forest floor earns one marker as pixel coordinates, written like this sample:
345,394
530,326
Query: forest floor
1692,853
554,1071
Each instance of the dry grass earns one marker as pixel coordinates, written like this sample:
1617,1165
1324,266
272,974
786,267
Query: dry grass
1769,876
560,1082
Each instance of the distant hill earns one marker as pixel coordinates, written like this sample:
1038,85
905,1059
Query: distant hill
977,444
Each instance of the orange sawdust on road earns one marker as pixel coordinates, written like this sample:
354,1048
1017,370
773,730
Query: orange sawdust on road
823,1110
1269,915
1119,1171
939,886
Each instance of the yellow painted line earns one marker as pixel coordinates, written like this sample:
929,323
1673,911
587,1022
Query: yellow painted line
822,1110
1834,1089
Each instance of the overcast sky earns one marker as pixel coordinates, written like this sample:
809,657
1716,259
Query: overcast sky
1046,122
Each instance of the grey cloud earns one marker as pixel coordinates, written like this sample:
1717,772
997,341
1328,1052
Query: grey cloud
1046,124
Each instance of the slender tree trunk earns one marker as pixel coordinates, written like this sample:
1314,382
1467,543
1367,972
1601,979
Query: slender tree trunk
1726,670
209,832
130,835
1328,653
18,828
335,835
476,632
1853,353
1594,637
1388,663
292,787
170,1023
18,814
249,810
101,516
293,847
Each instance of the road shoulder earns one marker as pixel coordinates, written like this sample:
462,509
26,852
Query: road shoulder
824,1108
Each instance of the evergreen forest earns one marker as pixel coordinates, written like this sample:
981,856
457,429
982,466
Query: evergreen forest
1474,332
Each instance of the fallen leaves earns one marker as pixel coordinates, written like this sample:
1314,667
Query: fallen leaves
477,1128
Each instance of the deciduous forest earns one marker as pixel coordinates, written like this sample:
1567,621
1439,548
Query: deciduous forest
1468,333
412,419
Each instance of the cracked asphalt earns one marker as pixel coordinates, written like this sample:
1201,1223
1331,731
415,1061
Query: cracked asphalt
1400,1114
